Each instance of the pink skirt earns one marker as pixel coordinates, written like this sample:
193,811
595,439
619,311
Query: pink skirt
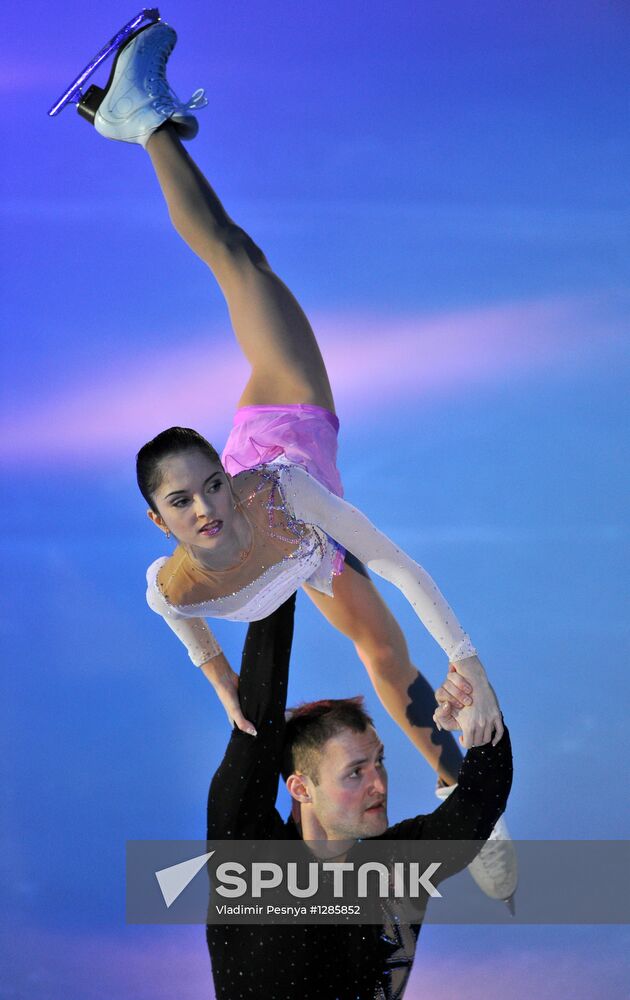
301,433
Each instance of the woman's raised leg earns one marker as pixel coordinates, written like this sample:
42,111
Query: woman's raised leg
359,612
287,367
271,328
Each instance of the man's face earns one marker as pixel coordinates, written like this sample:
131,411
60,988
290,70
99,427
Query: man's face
350,799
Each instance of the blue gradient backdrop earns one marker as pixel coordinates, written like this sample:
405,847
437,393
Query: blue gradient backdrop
445,187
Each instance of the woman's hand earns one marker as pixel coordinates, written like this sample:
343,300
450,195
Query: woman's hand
480,721
225,683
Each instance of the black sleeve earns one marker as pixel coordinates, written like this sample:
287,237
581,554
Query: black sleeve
483,786
471,810
242,796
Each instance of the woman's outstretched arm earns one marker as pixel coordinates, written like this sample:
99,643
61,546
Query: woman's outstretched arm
314,504
203,649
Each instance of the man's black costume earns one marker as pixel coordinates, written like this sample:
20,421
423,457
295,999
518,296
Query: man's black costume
325,961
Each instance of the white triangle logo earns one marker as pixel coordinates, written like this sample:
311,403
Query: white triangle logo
173,880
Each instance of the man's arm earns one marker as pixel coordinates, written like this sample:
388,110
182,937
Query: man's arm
241,800
466,818
472,809
485,777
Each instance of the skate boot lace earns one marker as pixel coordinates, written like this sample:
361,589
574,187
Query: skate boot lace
164,97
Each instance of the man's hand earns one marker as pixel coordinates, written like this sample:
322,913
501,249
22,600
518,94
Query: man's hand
480,721
456,691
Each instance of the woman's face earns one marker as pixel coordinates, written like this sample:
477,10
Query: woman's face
194,499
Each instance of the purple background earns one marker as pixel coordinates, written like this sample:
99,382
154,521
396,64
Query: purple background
444,186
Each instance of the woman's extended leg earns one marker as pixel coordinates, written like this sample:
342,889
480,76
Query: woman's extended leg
287,367
273,332
359,612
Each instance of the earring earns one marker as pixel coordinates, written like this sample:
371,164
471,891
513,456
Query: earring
168,532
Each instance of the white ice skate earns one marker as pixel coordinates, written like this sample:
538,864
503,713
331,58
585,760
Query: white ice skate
495,869
137,98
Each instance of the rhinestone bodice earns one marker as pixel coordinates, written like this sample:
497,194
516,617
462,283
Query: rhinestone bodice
284,554
300,528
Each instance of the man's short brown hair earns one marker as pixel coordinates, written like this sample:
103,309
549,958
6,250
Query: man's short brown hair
312,724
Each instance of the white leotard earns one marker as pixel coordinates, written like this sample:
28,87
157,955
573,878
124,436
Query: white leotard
315,516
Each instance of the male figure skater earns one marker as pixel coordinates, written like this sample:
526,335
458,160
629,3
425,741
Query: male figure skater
333,762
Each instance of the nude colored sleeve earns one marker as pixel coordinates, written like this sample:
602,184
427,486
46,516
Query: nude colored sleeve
314,504
193,632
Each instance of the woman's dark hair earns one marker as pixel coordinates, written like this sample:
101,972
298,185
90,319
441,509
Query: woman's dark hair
168,442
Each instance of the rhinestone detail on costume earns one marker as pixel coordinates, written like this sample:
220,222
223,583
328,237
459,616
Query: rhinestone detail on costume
262,595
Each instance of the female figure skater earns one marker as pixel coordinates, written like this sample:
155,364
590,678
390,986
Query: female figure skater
267,517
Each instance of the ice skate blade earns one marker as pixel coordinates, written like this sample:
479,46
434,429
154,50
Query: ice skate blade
73,94
509,902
